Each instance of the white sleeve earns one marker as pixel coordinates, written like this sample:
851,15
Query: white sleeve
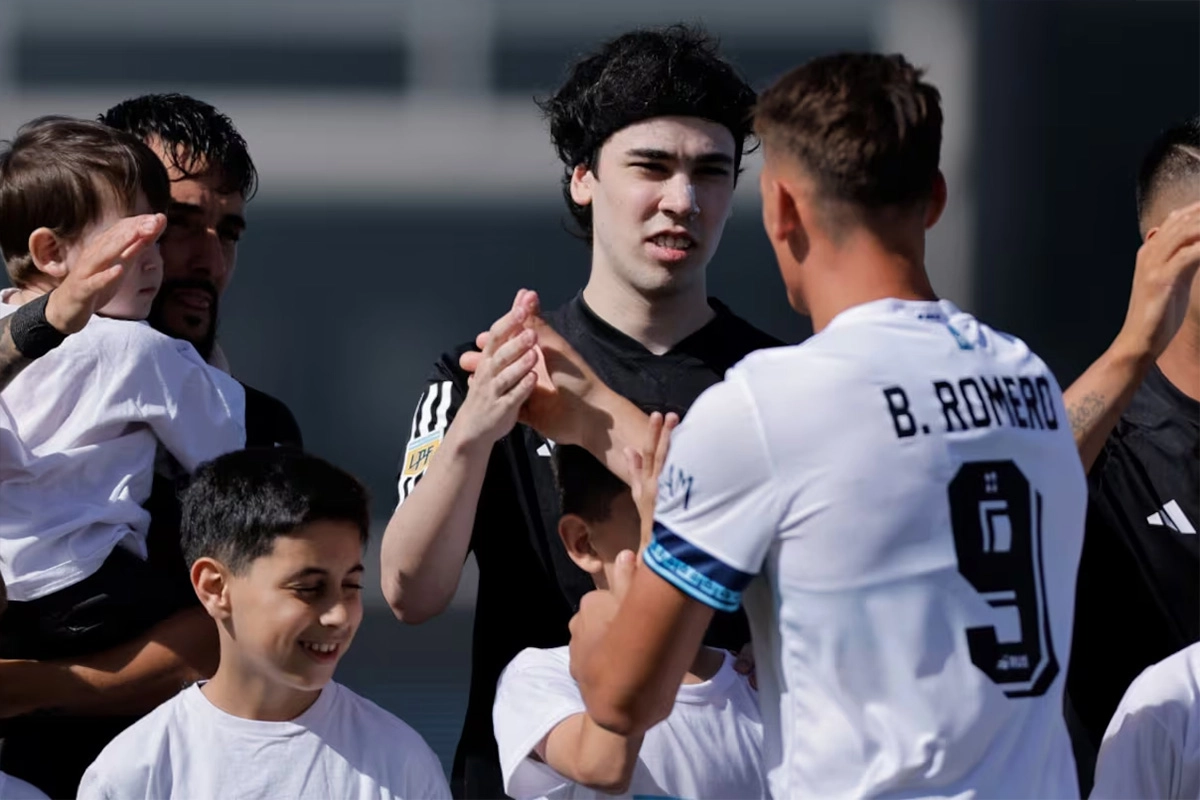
1141,752
424,778
718,510
93,786
195,410
535,693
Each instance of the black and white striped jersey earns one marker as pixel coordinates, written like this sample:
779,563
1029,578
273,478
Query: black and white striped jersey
528,586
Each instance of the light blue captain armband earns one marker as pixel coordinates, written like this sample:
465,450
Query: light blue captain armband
694,572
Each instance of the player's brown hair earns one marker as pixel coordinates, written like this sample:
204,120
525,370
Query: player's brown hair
58,172
864,126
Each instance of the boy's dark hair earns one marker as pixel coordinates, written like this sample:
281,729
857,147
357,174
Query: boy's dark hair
675,71
58,173
585,486
864,126
238,504
1173,157
197,138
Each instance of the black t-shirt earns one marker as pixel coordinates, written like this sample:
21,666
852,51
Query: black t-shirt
1138,593
528,585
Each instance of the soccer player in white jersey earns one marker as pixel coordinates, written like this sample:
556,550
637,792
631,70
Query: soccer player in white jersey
899,498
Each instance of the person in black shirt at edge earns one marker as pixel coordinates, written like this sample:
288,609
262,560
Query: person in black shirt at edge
651,129
212,177
1136,418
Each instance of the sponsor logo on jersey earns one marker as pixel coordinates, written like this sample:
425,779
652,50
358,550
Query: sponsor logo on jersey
416,457
1171,516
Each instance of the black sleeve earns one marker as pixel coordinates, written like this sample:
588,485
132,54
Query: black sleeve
269,422
436,408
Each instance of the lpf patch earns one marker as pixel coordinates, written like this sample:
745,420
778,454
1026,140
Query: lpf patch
416,457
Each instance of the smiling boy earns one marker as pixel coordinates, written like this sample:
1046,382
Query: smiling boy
275,539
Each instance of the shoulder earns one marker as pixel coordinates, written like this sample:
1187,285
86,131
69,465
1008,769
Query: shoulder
135,750
1172,680
269,421
743,334
555,660
379,725
16,789
446,368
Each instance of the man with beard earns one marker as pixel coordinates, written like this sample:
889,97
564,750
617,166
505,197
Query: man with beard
212,177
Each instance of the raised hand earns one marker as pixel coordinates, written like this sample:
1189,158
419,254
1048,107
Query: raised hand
96,278
502,377
1166,268
644,468
597,610
560,405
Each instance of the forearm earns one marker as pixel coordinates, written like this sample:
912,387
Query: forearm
131,678
582,751
630,680
427,538
617,424
1098,397
11,359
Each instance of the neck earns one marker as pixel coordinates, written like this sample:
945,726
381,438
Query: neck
1180,362
860,270
22,296
706,664
657,322
242,692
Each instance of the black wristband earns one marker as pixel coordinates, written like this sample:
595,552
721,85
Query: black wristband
31,333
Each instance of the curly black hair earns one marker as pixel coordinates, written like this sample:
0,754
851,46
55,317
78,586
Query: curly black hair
198,137
674,71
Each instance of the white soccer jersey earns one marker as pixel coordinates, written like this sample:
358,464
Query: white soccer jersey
901,500
1152,745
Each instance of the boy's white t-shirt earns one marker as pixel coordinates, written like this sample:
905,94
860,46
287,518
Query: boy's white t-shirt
1152,745
343,746
710,745
16,789
79,430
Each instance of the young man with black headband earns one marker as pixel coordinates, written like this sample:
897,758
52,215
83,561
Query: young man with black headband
651,131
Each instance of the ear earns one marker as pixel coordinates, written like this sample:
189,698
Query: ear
577,539
210,579
48,253
937,201
582,184
781,215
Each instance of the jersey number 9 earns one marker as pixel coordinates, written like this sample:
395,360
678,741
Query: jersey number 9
997,523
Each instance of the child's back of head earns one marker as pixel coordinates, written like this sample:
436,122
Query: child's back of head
599,518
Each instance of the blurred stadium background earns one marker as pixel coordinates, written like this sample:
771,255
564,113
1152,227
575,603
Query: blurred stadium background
408,188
